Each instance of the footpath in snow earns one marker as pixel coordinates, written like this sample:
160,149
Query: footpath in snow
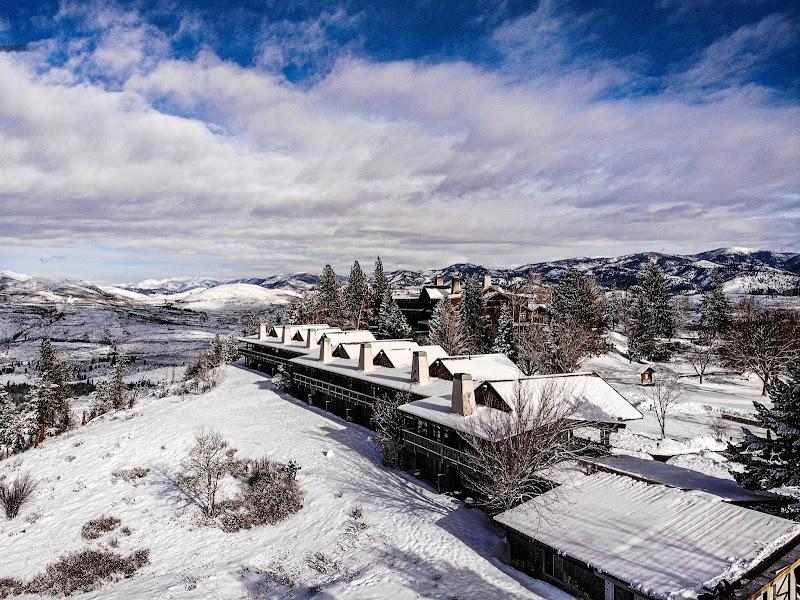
416,543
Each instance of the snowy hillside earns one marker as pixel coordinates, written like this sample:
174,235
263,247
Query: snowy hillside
239,294
409,543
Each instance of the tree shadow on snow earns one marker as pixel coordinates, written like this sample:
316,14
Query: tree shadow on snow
172,491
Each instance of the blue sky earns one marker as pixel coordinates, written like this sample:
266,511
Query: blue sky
237,138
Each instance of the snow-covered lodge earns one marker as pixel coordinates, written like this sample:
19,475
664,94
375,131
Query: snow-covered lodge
346,372
625,531
613,537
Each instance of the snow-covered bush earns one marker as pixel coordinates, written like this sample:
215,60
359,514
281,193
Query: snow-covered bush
85,570
95,528
268,493
14,495
203,374
388,424
282,379
130,475
11,587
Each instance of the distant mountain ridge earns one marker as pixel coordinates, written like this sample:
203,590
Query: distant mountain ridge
743,270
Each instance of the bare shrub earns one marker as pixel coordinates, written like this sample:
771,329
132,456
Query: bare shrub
323,564
85,570
11,587
95,528
14,495
268,493
388,424
511,453
130,475
719,428
208,461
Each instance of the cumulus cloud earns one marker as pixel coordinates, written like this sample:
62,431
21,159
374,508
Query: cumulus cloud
424,163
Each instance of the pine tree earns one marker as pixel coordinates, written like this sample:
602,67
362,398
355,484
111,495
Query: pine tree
446,329
378,287
8,410
357,297
715,310
472,308
641,327
504,341
51,391
653,286
392,323
119,390
579,299
330,296
18,424
775,460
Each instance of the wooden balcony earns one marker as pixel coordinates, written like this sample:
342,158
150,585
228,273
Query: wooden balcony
334,391
434,448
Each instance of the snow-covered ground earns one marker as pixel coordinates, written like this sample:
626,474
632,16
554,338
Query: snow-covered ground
416,543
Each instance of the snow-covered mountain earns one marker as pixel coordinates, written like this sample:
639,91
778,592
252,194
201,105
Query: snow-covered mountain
743,270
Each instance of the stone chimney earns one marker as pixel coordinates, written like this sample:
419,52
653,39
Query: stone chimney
262,331
419,367
455,286
365,358
325,352
439,280
463,394
487,281
311,338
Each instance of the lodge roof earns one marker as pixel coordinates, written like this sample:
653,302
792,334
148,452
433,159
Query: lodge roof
654,471
665,542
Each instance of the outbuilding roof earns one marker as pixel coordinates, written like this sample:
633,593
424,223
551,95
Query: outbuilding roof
662,541
654,471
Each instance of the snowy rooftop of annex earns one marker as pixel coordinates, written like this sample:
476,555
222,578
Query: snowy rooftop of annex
356,336
665,542
403,357
398,379
482,367
654,471
273,342
597,400
353,349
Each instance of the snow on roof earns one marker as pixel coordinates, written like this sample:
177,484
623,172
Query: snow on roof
655,471
664,542
356,336
278,329
273,342
482,367
398,379
301,331
597,400
352,350
435,293
438,409
403,357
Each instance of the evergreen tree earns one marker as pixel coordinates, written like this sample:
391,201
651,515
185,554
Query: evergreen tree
775,460
119,390
378,287
653,287
473,313
18,424
357,297
50,392
504,341
446,329
579,299
641,328
330,296
715,310
392,322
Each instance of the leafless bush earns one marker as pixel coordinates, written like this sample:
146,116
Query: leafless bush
388,424
85,570
208,461
130,475
323,564
11,587
14,495
95,528
511,453
720,428
268,493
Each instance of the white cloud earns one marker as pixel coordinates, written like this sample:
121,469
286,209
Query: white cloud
423,163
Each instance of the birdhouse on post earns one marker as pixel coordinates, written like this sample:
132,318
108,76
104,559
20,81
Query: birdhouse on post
647,376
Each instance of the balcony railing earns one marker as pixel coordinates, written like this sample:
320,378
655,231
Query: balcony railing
452,455
335,391
270,358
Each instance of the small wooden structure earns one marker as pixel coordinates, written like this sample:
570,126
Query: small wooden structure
647,376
